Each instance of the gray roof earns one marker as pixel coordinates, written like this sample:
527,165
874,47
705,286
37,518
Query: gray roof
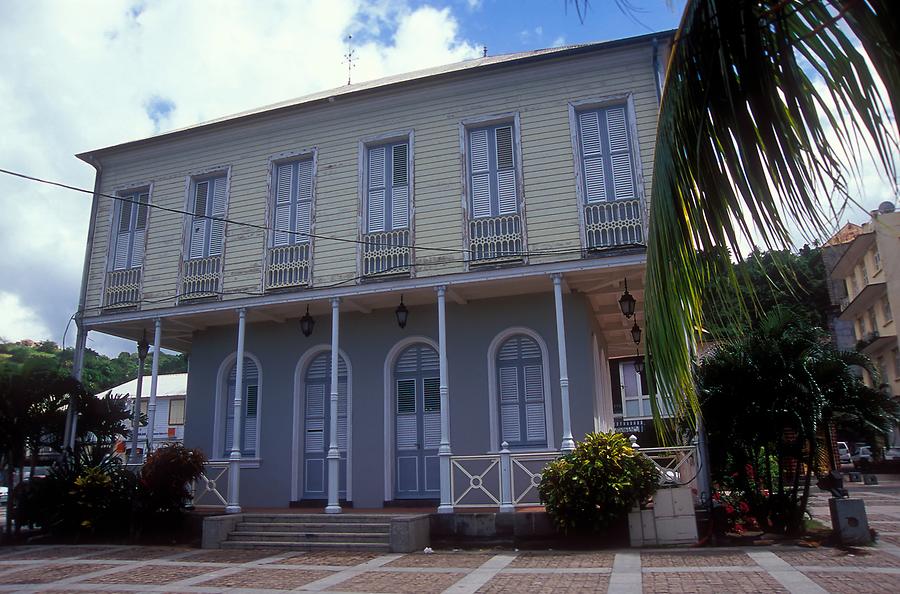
476,64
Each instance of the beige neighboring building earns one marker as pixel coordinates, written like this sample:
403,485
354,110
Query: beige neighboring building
870,271
171,393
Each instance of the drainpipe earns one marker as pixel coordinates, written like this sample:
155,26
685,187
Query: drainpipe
81,337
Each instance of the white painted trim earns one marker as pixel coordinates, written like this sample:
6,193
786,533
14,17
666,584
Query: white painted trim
493,413
637,257
389,361
219,419
604,417
297,421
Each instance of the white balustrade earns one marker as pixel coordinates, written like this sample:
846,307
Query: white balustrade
495,238
207,489
200,277
123,287
287,266
611,224
678,466
505,480
386,253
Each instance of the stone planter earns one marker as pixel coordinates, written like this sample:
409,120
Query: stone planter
670,520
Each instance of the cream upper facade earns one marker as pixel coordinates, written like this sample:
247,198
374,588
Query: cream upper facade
870,271
499,162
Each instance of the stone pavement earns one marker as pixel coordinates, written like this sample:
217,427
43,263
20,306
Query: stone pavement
88,568
69,569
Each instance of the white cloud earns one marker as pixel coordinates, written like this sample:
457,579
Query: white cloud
79,76
474,4
559,41
18,321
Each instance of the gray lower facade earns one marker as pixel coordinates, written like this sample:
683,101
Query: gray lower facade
387,395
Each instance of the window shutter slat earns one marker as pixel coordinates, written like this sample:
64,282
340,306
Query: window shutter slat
376,167
250,407
478,147
315,418
506,183
503,137
304,222
376,211
590,133
617,130
217,228
304,179
406,396
125,215
137,249
481,195
432,427
283,223
342,415
120,256
535,425
400,207
407,432
400,165
509,384
623,180
142,211
284,178
509,423
199,224
534,383
594,181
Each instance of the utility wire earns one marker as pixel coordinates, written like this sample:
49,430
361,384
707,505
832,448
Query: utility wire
266,227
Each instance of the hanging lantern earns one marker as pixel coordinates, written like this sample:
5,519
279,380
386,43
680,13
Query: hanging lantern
143,347
636,333
402,314
307,323
626,302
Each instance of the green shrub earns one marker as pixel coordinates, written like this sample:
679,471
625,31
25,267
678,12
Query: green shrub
597,484
164,478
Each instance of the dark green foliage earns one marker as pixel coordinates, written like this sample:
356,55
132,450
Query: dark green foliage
597,484
768,398
165,476
100,372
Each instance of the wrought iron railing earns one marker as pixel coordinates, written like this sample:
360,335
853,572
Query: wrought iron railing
200,277
123,287
386,253
496,238
287,266
506,480
610,224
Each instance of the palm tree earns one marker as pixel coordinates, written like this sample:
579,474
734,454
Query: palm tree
769,107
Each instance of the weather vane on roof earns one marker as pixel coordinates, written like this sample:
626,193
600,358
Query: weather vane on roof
350,57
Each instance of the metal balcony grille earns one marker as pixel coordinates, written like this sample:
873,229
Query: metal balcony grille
287,266
495,238
610,224
386,253
123,287
200,277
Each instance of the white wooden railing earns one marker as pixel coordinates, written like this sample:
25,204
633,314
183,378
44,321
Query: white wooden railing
506,480
287,266
386,253
123,287
200,277
496,238
610,224
678,466
211,488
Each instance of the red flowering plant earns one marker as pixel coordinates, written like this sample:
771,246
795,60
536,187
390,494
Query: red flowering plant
737,511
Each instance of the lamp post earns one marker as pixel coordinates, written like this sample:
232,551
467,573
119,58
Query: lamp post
143,347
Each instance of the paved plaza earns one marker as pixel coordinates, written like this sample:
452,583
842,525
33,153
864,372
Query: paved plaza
793,569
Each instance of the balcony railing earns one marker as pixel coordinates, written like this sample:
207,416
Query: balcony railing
123,287
200,277
505,479
496,238
287,266
386,253
611,224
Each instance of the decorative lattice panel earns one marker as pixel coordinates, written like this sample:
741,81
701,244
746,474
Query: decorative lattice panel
386,253
123,287
200,277
495,238
287,266
609,224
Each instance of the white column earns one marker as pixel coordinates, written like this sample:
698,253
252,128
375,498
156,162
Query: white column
77,368
334,455
154,376
444,453
606,417
568,444
234,460
136,414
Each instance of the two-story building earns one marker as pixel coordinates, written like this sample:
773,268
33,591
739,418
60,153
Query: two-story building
377,279
870,271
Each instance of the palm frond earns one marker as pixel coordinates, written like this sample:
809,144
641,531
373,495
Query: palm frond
763,101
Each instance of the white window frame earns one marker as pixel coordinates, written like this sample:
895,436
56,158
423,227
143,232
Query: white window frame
219,416
644,414
392,137
493,389
474,123
577,106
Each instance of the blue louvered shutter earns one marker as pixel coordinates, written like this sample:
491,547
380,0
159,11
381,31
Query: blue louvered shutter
480,164
377,188
199,223
139,238
249,406
399,191
284,181
492,171
606,154
130,231
520,390
219,207
122,236
292,212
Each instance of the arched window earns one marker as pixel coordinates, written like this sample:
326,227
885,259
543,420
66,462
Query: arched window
317,425
249,408
417,423
520,392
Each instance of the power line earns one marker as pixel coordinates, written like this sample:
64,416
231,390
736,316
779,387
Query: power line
549,252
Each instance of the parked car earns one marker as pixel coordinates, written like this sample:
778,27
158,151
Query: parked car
4,494
843,452
892,453
863,455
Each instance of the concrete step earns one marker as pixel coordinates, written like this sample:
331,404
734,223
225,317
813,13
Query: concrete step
330,537
306,546
345,527
318,518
